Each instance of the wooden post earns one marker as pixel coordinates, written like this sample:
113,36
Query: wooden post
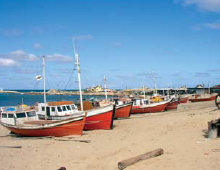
212,130
125,163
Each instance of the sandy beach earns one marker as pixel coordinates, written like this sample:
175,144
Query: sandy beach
181,133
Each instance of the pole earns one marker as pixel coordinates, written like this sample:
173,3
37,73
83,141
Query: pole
44,80
155,85
78,73
45,101
106,96
144,91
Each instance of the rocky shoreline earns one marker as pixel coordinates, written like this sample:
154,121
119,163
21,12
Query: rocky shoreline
60,92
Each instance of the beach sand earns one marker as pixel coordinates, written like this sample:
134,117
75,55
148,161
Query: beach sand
181,133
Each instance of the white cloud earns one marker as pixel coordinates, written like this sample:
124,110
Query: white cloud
203,5
59,57
214,25
22,55
83,37
8,62
12,32
114,44
37,46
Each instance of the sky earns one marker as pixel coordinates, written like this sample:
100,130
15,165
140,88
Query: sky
128,41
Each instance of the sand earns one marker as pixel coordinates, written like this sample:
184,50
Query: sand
181,133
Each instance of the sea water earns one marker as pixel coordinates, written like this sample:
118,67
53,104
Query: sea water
13,99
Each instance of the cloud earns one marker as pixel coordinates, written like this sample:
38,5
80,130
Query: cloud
12,32
59,57
202,74
25,71
145,74
83,37
37,46
214,70
211,25
8,62
114,69
37,30
214,25
19,55
202,5
114,44
177,74
124,77
22,55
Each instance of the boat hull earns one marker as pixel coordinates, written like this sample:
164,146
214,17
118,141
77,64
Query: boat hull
100,120
123,111
184,100
202,99
65,129
150,109
172,105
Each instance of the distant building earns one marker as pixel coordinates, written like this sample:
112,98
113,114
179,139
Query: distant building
199,86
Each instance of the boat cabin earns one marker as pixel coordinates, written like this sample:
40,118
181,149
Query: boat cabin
140,102
63,108
18,117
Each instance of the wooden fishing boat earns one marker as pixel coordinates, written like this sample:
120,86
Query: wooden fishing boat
172,105
100,118
184,100
27,123
97,118
150,108
123,110
203,99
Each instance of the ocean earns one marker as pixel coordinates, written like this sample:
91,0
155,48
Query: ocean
12,99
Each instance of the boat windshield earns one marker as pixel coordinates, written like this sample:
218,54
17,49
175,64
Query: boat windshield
31,114
20,115
10,115
4,115
68,107
64,108
59,109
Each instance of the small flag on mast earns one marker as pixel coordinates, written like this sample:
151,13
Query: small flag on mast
38,77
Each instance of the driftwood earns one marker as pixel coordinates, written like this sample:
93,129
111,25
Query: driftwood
125,163
57,139
17,147
85,141
62,168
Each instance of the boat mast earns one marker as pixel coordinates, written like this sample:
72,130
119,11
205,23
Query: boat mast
78,72
106,96
144,91
44,80
155,85
45,101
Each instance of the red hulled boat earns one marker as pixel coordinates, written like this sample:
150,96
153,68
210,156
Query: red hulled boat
100,118
172,105
26,123
151,108
123,111
203,99
184,100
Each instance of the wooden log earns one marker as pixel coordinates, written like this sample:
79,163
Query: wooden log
125,163
16,147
